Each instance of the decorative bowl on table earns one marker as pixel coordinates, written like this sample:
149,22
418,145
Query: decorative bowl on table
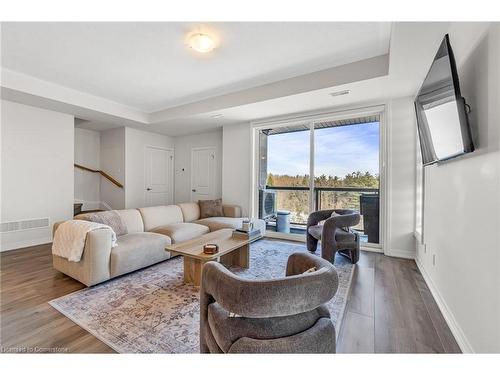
210,249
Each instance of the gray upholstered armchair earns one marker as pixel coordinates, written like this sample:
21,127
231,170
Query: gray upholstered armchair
284,315
334,234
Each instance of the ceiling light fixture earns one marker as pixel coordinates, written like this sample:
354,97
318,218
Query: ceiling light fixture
339,93
201,43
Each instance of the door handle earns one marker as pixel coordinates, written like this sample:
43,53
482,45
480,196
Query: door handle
149,189
193,190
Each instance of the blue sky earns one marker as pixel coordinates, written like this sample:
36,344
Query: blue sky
338,151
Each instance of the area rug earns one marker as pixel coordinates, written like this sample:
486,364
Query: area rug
153,311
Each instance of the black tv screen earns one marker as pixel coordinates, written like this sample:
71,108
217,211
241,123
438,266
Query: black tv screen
442,121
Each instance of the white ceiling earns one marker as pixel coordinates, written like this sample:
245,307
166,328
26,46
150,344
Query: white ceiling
148,66
259,71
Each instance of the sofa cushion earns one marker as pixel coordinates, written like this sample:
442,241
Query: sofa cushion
180,232
315,231
231,210
154,217
226,329
216,223
334,214
190,211
340,236
211,208
138,250
110,218
132,219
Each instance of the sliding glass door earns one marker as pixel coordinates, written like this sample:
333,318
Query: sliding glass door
318,165
288,165
346,171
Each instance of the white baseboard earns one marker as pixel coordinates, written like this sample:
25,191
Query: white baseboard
455,329
301,238
371,249
285,236
399,253
25,243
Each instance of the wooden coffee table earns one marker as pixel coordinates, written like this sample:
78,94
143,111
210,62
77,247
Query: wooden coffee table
231,252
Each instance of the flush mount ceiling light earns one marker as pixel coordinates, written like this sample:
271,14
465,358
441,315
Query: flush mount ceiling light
202,43
339,93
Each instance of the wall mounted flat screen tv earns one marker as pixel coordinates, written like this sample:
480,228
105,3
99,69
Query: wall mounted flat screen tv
442,122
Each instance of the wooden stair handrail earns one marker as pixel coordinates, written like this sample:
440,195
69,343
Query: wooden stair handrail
104,174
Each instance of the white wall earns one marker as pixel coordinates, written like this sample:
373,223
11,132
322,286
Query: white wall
135,146
120,153
37,170
462,203
236,165
87,154
400,191
183,147
112,160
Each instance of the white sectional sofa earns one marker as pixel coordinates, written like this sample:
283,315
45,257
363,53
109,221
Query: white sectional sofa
150,229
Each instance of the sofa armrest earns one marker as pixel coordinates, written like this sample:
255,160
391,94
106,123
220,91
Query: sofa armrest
55,226
346,220
298,263
93,268
231,210
315,217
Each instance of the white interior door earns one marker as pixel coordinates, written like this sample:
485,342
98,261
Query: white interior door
159,176
203,173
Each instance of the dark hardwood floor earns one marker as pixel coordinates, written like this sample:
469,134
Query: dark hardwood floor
28,282
390,309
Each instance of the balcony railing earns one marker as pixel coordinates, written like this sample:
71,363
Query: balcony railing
296,200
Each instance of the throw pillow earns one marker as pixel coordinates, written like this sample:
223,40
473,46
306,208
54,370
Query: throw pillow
310,270
211,208
334,214
322,222
110,218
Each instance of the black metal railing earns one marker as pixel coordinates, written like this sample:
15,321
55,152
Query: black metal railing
324,198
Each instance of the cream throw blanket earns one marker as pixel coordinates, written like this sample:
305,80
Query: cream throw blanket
69,238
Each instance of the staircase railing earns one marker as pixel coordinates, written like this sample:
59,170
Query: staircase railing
103,174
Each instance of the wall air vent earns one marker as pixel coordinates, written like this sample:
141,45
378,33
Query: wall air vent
13,226
339,93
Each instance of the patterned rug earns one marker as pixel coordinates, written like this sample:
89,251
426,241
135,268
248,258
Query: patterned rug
153,311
